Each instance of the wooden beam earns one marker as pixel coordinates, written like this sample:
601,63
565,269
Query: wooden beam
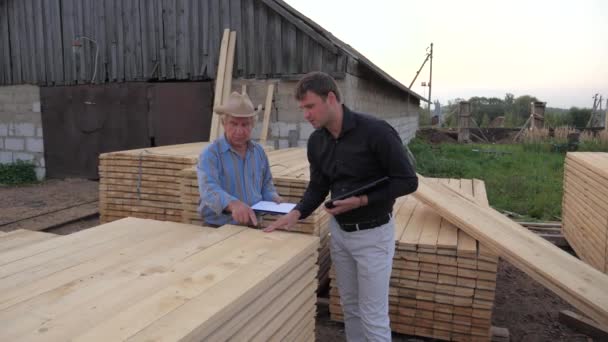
267,110
583,325
219,85
227,83
573,280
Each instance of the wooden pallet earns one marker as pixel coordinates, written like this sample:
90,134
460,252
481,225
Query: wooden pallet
585,206
141,280
443,281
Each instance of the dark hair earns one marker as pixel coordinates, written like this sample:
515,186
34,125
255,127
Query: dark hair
319,83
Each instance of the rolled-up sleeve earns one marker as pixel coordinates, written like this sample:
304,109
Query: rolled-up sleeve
210,189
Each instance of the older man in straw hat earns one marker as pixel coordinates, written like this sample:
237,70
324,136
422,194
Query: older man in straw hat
233,171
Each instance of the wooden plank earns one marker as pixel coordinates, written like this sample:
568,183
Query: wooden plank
121,329
117,282
227,83
213,305
430,232
263,66
574,281
414,228
21,237
219,84
15,27
251,39
403,212
5,54
267,111
583,325
597,163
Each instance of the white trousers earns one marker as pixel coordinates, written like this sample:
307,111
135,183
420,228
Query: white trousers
363,261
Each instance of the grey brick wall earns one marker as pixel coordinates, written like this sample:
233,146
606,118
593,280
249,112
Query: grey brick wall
288,128
21,136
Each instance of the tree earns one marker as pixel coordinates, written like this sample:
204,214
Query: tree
578,117
485,122
522,107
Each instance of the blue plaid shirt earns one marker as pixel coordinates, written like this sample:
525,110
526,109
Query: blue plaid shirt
224,176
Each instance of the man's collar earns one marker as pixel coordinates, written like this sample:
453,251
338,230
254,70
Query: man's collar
348,121
225,145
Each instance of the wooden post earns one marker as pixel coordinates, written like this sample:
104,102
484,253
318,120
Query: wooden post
219,85
606,117
267,110
537,117
464,122
227,85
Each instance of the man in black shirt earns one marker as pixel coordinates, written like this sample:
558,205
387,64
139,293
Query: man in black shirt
349,150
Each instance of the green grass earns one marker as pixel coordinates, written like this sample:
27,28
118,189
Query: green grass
520,180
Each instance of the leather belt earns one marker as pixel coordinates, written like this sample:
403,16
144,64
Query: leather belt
353,227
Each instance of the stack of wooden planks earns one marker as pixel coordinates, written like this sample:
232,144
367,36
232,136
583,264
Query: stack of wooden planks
142,280
144,182
578,283
189,196
443,281
585,206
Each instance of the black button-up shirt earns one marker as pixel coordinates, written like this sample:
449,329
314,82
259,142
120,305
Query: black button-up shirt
366,150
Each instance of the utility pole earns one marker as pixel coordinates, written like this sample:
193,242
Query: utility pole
430,76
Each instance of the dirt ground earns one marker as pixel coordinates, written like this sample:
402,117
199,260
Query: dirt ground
522,305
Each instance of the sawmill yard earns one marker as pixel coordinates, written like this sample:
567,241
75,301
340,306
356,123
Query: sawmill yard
436,262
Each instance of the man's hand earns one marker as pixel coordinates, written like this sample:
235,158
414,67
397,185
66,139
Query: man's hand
347,204
278,199
286,221
242,213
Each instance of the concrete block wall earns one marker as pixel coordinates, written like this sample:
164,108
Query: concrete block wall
289,129
21,136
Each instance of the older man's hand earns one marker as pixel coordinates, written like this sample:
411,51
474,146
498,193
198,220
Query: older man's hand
242,213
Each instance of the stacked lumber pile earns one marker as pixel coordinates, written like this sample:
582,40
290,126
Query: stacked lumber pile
578,283
144,182
189,196
585,206
443,281
142,280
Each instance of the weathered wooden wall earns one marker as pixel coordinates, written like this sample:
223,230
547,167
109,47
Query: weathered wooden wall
141,40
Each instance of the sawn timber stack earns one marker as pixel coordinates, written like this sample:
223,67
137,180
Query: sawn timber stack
142,280
144,182
585,206
443,281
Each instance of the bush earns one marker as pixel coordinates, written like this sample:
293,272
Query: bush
17,173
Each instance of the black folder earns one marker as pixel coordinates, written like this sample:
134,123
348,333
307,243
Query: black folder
359,191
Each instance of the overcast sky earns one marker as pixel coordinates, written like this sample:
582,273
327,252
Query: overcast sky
554,50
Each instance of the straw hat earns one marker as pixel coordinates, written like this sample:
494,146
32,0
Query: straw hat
237,105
